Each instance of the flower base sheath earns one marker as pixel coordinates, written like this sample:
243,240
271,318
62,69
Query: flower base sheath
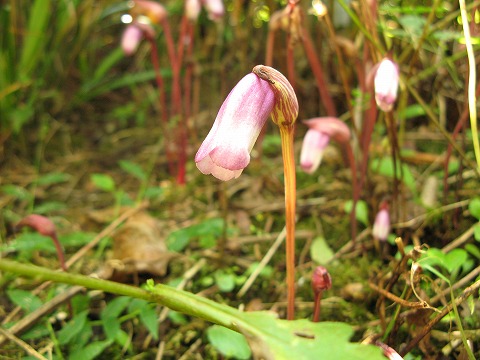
226,150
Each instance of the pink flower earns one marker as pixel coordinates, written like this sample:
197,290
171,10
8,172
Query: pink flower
318,136
388,351
381,226
192,9
215,9
386,84
321,279
153,10
226,150
131,38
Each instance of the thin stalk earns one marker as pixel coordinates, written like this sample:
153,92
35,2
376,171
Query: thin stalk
355,189
172,298
286,134
270,45
317,303
472,75
290,61
317,70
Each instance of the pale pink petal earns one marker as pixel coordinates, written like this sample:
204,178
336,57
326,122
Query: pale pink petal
236,128
192,9
386,84
215,9
313,146
131,38
381,226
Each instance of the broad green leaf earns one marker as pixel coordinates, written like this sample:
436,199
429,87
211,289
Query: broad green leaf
18,192
148,315
476,232
91,351
385,167
361,211
320,251
48,207
78,238
229,342
72,328
455,259
474,208
149,318
473,249
115,307
25,299
178,240
53,178
271,338
28,242
111,327
133,169
266,271
225,281
111,313
103,182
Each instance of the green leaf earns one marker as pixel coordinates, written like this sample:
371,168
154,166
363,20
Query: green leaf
455,259
18,192
271,338
320,251
133,169
384,166
53,178
474,208
91,351
361,211
24,299
149,318
225,281
476,232
115,307
72,328
148,315
103,182
229,342
49,206
178,240
473,249
111,313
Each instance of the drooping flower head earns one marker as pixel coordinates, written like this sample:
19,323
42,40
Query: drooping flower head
386,84
381,226
143,15
226,150
317,137
215,9
321,279
192,9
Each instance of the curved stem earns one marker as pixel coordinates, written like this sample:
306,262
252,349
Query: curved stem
172,298
286,134
355,190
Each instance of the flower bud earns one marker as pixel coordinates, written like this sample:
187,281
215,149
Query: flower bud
386,84
321,280
321,130
381,226
39,223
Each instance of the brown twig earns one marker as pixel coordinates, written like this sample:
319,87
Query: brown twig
400,301
28,349
426,329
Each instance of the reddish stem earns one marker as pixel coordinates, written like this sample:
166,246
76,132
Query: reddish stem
317,306
317,70
355,189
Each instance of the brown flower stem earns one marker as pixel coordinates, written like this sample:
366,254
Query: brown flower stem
317,70
317,306
270,44
290,61
162,98
60,254
355,189
286,134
